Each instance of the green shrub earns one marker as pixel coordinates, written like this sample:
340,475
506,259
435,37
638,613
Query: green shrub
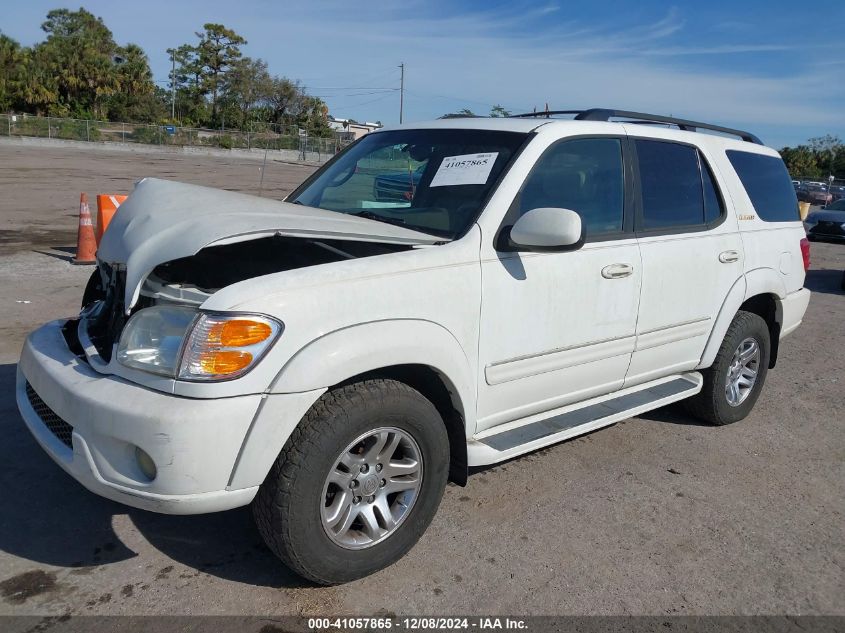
145,134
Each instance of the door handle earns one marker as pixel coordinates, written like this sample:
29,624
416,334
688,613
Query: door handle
617,271
728,257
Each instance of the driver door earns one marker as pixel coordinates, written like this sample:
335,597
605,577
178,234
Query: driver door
559,327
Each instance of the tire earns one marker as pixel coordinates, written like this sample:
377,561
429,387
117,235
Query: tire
291,504
713,403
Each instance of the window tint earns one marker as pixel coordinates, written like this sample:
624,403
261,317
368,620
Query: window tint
584,175
768,185
713,206
671,184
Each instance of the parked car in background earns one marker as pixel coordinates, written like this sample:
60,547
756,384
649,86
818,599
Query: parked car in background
397,186
814,194
828,223
837,192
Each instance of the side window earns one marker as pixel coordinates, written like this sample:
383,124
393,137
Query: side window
768,185
584,175
670,180
678,188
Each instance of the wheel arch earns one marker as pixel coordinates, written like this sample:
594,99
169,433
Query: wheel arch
759,291
767,306
422,354
439,390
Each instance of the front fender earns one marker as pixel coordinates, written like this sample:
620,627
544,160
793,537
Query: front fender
358,349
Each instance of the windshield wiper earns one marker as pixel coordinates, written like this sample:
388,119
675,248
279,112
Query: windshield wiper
379,218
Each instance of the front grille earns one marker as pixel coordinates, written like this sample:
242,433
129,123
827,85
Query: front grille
57,426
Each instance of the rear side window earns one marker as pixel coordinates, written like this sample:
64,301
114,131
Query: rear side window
768,185
677,187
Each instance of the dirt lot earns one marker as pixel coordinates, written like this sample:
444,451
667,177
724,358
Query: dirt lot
655,515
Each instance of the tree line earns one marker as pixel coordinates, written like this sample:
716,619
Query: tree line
79,71
817,159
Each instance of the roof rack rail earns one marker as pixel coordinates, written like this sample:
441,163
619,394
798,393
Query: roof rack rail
601,114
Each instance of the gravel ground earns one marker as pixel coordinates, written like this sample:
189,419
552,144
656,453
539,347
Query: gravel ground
655,515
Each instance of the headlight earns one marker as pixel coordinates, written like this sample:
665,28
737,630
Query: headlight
224,346
153,338
191,345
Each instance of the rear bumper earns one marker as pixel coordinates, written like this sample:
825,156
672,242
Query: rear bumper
794,305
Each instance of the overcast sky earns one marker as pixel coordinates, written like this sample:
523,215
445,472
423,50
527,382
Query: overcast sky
774,67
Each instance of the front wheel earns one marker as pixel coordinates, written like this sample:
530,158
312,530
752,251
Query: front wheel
357,483
734,381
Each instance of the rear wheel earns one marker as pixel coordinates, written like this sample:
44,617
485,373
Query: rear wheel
357,483
734,381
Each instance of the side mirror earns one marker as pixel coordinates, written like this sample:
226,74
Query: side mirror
547,230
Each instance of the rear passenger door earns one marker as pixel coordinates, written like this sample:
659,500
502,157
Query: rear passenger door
691,256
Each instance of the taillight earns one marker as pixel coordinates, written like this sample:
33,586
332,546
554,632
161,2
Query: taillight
805,253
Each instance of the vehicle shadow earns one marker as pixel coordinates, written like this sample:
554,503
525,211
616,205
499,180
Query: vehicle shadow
824,281
44,515
672,414
223,544
47,517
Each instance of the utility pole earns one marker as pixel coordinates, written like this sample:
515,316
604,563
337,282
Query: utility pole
401,91
173,87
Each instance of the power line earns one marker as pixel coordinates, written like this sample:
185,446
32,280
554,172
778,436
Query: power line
355,105
464,100
350,88
357,94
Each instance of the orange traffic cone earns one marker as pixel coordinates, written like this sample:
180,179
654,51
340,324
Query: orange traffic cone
107,204
86,244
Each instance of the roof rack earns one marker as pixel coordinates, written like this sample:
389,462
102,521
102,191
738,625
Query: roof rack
601,114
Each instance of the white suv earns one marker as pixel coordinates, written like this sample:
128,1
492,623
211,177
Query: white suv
439,296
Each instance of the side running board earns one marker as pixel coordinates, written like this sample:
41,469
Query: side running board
536,431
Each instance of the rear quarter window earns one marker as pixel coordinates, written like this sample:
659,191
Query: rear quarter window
768,185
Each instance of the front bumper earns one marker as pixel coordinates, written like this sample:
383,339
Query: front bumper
195,443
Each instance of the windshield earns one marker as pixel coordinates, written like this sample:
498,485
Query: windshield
433,181
839,205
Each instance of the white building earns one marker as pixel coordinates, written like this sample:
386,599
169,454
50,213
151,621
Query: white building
350,130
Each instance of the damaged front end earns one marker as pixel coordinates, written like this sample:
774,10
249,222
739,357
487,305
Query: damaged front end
196,242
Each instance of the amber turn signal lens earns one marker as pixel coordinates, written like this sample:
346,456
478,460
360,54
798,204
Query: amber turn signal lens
239,333
221,362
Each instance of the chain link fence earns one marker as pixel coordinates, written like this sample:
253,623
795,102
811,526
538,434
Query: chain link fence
262,136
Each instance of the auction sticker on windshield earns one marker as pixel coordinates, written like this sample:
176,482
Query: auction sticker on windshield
467,169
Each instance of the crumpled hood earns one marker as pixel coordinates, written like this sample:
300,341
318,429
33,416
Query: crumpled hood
164,220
